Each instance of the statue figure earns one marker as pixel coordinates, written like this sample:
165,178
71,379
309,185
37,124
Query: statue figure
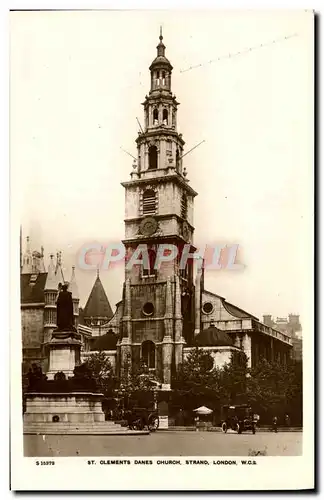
64,310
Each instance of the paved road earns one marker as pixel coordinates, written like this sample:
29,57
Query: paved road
165,443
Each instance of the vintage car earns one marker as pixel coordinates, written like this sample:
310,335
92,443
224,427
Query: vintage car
239,418
139,418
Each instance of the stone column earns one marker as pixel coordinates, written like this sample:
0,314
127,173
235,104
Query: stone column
127,309
146,158
125,345
178,324
167,346
158,155
247,348
168,317
163,153
197,302
125,354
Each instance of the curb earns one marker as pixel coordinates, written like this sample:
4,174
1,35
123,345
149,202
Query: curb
218,429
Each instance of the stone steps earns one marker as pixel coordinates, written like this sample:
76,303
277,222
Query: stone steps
79,428
91,430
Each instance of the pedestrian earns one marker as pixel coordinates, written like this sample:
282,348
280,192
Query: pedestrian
287,420
197,422
275,424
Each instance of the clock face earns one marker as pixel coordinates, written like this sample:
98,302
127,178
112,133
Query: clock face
148,226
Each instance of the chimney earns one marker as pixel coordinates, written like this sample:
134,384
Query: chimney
267,319
293,319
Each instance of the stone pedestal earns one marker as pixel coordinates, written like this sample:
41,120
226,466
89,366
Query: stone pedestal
63,353
73,407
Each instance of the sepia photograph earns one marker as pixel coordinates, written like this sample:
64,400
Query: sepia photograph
162,187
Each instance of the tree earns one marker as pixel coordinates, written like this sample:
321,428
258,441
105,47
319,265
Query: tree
137,382
233,379
276,389
102,372
196,382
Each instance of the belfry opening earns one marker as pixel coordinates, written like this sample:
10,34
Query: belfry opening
153,157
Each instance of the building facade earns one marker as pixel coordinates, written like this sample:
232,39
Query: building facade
38,293
292,327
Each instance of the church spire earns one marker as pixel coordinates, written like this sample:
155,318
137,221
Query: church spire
161,69
58,268
73,287
161,46
159,145
51,279
27,259
97,307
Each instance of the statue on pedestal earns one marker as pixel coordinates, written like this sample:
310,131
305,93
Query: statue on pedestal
64,313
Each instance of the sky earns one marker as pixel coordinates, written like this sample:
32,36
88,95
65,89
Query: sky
77,81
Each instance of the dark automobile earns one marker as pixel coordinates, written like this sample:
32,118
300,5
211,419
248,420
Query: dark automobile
239,418
139,418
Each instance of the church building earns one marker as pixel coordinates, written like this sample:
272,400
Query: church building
164,313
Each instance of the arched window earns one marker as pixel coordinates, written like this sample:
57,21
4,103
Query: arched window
155,116
149,202
165,116
148,353
152,157
151,263
163,77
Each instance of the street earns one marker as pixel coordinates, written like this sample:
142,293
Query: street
165,443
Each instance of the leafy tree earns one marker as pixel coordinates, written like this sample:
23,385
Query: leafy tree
196,382
102,372
138,383
233,380
276,389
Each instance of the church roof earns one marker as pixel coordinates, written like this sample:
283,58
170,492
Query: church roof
52,279
32,288
97,305
105,342
212,336
234,310
160,61
237,311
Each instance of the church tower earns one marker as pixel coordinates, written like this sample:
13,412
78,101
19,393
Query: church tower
158,303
